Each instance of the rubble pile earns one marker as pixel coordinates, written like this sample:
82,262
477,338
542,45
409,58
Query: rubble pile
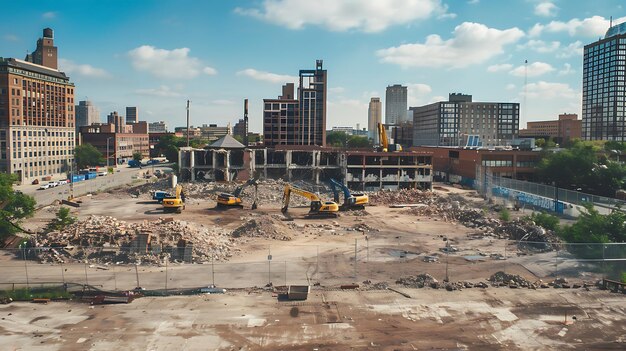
104,239
528,231
504,279
402,196
265,227
418,281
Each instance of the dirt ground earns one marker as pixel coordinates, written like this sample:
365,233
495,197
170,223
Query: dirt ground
390,244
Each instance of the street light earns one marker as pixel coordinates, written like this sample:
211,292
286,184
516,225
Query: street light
108,156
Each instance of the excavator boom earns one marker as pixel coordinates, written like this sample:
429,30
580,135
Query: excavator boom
350,200
318,207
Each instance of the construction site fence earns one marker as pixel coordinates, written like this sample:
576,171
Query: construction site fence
365,261
490,185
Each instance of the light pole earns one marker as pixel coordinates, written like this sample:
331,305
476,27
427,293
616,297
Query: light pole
108,156
447,254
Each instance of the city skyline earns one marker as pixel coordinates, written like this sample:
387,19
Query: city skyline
156,55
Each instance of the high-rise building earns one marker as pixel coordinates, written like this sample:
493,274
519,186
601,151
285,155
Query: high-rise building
86,114
157,127
312,114
280,118
450,123
395,104
604,95
117,120
46,53
37,131
132,115
374,116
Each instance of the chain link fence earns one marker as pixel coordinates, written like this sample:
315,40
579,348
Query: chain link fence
327,265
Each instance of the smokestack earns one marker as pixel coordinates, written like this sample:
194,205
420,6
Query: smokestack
245,122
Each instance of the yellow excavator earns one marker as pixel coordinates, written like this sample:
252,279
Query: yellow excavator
319,208
175,203
227,200
384,142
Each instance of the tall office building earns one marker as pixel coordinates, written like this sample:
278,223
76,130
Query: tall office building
157,127
374,116
604,95
118,120
450,123
37,132
395,104
132,115
86,114
312,98
280,118
46,53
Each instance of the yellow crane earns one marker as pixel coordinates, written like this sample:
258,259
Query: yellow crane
175,203
318,208
384,142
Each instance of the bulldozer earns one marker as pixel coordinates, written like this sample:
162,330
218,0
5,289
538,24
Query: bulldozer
318,207
175,203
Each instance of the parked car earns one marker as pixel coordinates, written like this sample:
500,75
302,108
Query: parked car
102,173
64,181
53,184
35,182
44,186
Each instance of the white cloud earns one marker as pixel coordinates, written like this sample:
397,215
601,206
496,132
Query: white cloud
161,91
499,67
567,69
546,90
540,46
223,102
473,2
589,27
267,76
49,15
347,112
163,63
534,69
573,49
546,9
85,70
361,15
10,37
510,86
337,90
418,93
472,43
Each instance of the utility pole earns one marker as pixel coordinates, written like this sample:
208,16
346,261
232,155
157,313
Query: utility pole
245,122
188,122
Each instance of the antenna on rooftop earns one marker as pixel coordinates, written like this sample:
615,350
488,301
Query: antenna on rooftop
525,90
611,21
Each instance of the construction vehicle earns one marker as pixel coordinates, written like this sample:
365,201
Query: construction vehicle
350,201
318,208
384,142
226,200
175,203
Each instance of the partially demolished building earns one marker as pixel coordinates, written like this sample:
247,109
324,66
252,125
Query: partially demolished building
228,160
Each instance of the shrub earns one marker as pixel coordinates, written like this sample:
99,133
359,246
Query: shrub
505,215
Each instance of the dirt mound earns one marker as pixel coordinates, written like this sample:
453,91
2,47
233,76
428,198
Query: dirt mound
264,226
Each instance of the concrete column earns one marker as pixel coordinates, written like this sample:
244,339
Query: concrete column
214,162
265,163
227,164
192,165
316,166
288,164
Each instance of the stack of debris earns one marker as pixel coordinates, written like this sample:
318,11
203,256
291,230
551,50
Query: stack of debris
504,279
419,281
402,196
264,226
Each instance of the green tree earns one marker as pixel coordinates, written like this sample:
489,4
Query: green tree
593,227
168,147
62,220
137,156
336,139
87,155
545,220
568,168
540,142
358,141
14,206
505,215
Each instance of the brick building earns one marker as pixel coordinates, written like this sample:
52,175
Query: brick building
118,146
567,127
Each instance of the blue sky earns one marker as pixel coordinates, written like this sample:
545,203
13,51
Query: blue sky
157,54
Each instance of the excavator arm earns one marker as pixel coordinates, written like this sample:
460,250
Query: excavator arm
382,135
318,207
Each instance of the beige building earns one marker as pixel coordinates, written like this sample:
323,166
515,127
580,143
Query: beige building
374,116
37,132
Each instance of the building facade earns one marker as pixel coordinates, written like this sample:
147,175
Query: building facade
86,114
395,104
132,115
280,118
117,121
604,94
117,146
567,127
452,122
374,116
37,121
312,111
212,132
157,127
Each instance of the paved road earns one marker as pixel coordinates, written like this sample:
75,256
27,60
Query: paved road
123,175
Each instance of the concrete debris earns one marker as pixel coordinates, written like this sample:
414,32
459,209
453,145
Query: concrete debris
264,227
402,196
418,281
512,280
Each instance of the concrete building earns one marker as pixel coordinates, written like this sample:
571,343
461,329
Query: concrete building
395,104
359,169
132,115
312,110
46,53
212,132
117,121
240,128
117,145
567,127
86,114
604,100
463,166
157,127
37,121
280,118
452,122
374,116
